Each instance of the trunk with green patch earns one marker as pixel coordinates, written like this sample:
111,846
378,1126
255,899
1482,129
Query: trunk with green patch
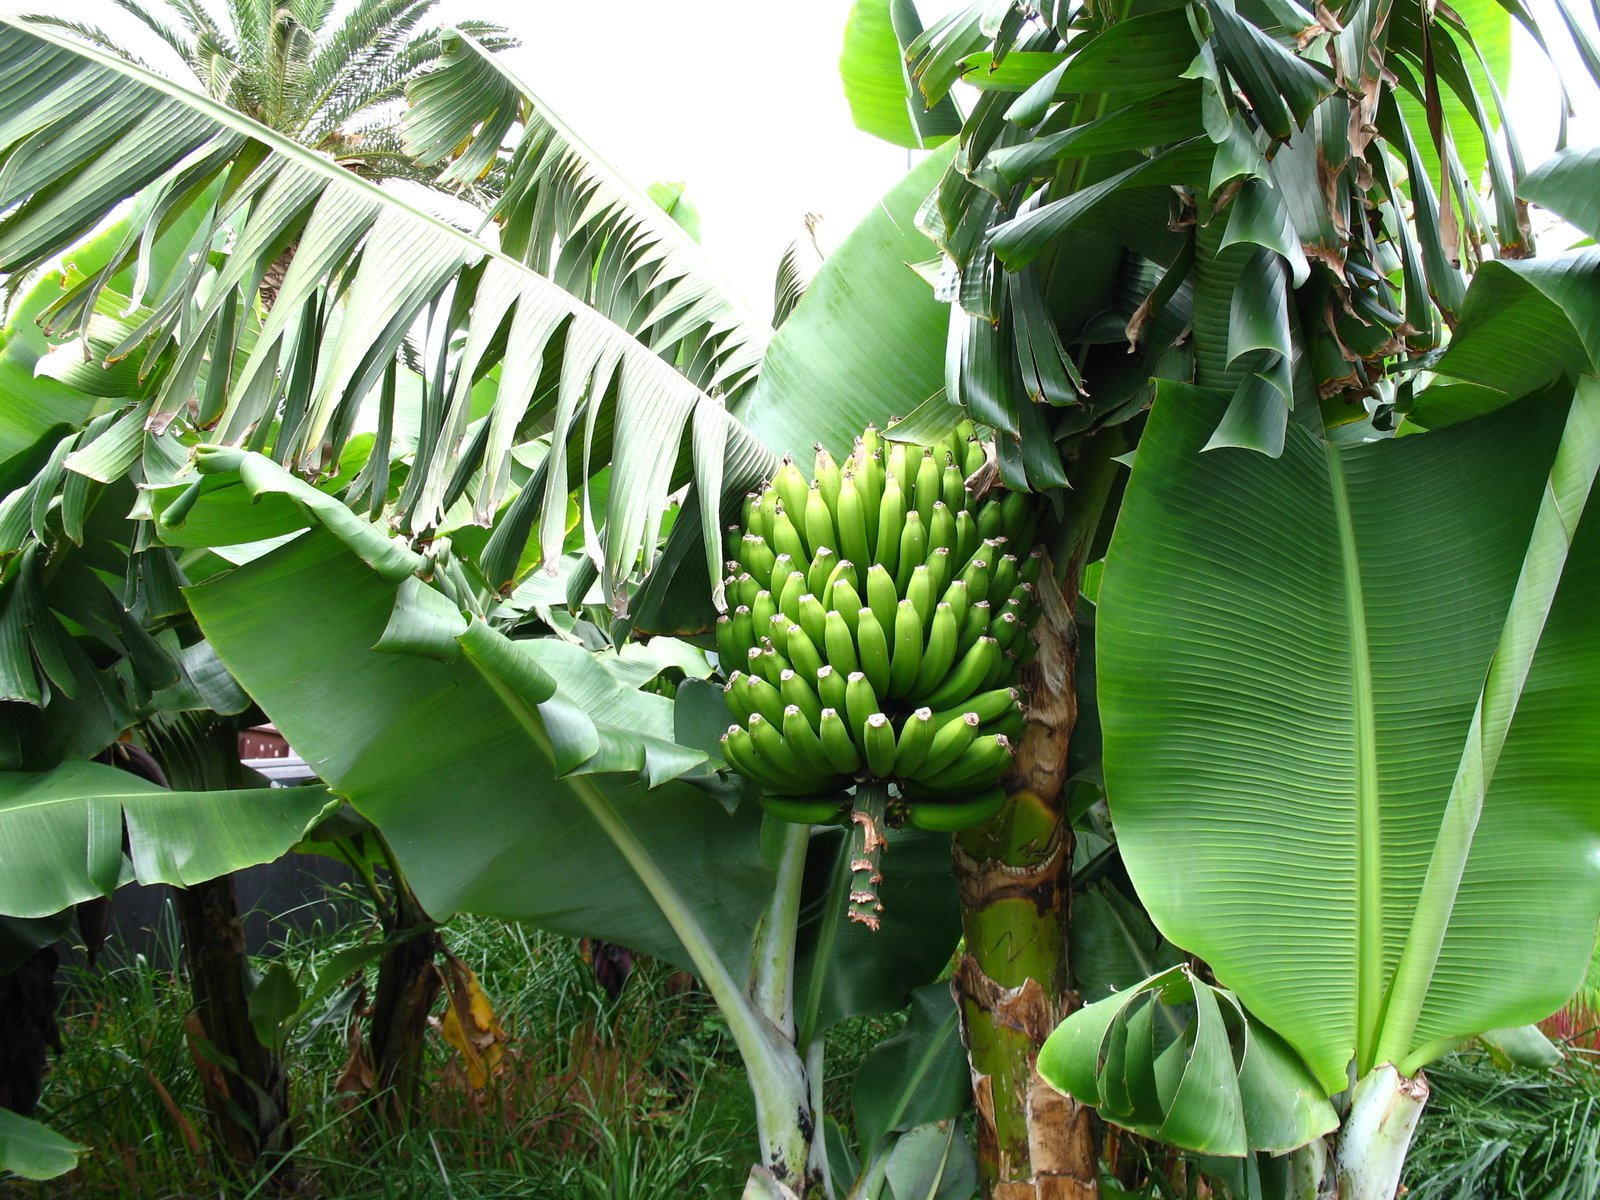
1014,874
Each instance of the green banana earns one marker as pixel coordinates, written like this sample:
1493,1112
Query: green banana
778,633
877,739
921,594
913,549
840,643
803,812
852,519
1004,629
977,576
939,569
1016,519
1014,724
844,599
822,566
737,694
977,624
1003,575
967,538
767,663
812,615
891,523
869,483
842,569
783,566
926,490
916,736
986,706
776,753
860,701
953,486
791,486
767,699
804,656
872,648
837,743
973,457
942,527
956,597
769,509
803,741
831,687
745,588
881,596
968,675
727,643
871,440
740,754
796,692
1006,666
984,760
1031,566
907,654
786,537
819,522
756,556
938,653
750,514
991,522
827,475
949,742
762,610
937,816
901,467
789,596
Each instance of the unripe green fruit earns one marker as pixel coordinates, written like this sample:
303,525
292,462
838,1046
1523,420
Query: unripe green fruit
877,618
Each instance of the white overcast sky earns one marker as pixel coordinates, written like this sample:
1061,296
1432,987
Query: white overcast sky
741,101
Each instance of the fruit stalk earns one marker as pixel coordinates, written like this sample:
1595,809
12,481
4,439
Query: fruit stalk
866,852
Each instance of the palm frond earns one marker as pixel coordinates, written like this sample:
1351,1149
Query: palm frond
92,34
367,269
564,213
348,72
180,45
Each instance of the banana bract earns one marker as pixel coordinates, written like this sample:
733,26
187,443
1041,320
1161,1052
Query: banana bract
877,618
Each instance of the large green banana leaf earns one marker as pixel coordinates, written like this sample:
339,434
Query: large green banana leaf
607,376
510,777
63,833
1303,670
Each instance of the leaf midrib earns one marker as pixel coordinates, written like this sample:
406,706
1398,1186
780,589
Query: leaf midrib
1369,852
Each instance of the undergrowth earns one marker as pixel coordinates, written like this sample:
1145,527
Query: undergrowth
639,1097
1492,1135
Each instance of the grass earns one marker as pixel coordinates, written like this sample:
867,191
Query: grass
636,1098
1492,1135
601,1100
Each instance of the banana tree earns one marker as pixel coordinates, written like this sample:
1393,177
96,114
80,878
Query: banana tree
1273,202
1349,745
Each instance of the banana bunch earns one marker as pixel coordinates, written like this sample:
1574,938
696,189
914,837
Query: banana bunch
878,616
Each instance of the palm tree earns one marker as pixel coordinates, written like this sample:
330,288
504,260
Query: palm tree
333,83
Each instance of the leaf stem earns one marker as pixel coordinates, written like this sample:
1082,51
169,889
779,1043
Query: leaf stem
772,972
